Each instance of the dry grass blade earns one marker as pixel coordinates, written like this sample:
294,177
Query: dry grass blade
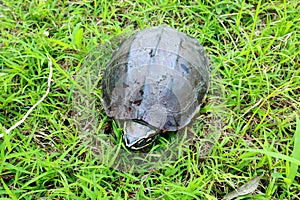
7,131
247,188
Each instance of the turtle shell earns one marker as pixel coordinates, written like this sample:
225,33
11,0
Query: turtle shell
158,75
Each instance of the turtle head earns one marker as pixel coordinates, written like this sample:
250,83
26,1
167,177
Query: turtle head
138,134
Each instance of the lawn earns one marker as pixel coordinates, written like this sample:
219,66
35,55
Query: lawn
254,53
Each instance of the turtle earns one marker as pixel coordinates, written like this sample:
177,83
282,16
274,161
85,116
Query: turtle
155,82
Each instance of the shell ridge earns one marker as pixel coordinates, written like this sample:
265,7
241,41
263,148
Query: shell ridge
146,87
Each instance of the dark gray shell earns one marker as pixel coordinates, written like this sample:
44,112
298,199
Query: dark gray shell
158,75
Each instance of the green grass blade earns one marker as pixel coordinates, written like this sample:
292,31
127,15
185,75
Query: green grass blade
77,36
274,155
291,174
9,192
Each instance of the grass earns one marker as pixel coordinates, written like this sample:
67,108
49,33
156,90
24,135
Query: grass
254,46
